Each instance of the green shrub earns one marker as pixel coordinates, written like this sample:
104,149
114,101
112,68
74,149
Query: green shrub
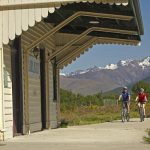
147,138
64,123
77,109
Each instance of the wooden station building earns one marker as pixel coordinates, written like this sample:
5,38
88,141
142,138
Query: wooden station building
40,37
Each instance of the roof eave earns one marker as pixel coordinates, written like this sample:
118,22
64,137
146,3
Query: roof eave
137,11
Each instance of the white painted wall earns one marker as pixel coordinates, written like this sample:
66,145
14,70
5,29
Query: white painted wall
7,92
1,93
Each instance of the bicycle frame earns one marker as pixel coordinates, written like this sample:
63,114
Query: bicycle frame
124,114
141,112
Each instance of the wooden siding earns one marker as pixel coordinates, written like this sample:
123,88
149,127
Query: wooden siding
1,93
34,79
8,104
34,97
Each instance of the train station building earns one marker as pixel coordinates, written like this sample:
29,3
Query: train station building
40,37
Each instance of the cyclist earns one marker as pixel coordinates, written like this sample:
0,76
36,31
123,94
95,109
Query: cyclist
125,96
142,99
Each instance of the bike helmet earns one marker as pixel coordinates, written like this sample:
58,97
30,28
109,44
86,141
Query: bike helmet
125,88
141,90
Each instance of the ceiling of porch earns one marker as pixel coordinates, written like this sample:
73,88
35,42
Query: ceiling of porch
82,23
113,24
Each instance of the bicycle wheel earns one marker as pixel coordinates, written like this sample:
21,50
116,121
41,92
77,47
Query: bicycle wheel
123,115
127,117
141,114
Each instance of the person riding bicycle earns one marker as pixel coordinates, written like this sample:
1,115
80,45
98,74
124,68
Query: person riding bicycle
141,99
125,96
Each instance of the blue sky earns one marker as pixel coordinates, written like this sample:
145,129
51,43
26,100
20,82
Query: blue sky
101,55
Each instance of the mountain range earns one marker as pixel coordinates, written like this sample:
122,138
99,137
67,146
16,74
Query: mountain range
103,79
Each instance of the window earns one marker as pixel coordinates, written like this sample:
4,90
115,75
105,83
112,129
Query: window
31,66
5,78
34,66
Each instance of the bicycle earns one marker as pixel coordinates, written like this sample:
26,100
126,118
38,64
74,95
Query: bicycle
125,115
141,112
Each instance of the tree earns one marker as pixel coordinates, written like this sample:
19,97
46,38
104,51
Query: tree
141,84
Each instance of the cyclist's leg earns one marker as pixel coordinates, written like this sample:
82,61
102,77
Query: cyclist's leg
128,111
123,107
123,111
123,104
139,105
144,108
128,107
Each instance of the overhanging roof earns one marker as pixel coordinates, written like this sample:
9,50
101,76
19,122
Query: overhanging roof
24,4
16,16
115,24
98,21
83,46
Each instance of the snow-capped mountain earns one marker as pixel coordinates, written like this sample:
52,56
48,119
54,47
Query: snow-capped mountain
145,63
111,76
129,62
62,74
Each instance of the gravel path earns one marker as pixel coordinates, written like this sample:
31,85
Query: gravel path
107,136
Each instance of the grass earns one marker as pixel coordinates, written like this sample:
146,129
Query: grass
88,115
95,114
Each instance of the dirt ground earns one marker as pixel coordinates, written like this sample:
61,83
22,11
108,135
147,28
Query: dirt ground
107,136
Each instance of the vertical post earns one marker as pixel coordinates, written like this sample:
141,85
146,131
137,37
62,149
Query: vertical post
54,102
47,90
58,96
55,79
16,67
26,126
1,90
44,83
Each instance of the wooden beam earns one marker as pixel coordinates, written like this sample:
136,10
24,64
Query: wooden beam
85,33
70,55
76,52
71,18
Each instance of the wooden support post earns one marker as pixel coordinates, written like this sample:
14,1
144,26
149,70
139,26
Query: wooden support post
26,128
47,91
58,97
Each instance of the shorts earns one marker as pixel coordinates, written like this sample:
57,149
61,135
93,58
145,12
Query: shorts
142,102
125,103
